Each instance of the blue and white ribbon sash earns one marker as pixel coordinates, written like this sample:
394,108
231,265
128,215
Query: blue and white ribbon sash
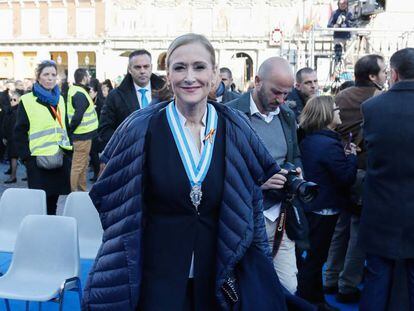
196,172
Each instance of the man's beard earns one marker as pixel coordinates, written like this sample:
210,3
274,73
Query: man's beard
264,102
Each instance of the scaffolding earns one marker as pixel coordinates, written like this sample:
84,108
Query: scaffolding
305,49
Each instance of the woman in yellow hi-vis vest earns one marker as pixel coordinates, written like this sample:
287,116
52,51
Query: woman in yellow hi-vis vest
41,136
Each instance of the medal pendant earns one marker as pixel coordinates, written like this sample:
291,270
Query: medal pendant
196,195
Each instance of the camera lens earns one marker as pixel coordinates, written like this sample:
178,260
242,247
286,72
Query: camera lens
307,191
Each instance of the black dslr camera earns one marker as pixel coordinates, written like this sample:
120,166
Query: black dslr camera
304,190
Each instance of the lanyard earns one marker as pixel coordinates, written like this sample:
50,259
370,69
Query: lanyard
58,116
196,172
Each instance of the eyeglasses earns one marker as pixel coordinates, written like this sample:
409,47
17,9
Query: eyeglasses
14,100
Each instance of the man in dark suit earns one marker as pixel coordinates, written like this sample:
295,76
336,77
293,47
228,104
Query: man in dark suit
276,126
387,220
224,91
138,89
343,274
306,85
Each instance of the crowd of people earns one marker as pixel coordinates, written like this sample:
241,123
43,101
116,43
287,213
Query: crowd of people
212,199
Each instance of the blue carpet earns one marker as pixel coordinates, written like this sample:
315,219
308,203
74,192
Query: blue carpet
71,302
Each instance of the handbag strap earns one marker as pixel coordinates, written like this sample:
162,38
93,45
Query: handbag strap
279,231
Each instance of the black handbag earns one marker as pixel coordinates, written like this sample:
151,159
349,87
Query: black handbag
297,226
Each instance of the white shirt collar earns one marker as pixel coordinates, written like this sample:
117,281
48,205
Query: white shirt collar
183,119
254,111
193,148
147,87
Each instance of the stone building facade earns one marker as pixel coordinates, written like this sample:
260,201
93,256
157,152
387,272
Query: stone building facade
98,34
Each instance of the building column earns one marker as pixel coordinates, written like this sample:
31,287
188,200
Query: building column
100,65
18,60
72,64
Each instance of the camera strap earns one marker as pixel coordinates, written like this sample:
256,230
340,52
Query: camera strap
280,229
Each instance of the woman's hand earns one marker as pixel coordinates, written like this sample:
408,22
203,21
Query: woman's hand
351,149
277,181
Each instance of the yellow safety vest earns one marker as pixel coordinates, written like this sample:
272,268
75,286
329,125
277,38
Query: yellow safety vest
89,121
46,134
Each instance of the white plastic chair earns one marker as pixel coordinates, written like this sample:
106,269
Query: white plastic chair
45,261
79,205
15,204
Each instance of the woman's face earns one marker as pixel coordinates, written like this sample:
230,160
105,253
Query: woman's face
105,90
14,100
48,77
191,73
92,93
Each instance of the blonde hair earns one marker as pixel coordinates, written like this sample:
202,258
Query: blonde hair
190,38
317,114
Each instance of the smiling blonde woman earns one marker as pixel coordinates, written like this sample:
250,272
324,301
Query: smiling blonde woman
180,203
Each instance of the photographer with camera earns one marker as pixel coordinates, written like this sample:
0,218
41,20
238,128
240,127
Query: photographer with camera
276,126
334,169
340,18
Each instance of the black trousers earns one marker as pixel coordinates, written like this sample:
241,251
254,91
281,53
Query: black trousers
94,155
51,204
321,229
378,283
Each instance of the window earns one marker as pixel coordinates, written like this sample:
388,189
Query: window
85,22
30,22
6,23
30,63
6,65
58,22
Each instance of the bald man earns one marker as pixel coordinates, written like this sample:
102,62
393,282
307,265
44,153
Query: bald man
275,123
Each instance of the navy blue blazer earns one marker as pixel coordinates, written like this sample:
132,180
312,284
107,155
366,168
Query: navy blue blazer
325,163
387,220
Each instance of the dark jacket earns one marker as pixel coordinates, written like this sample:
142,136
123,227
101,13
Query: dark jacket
120,103
325,163
8,131
287,118
349,102
295,102
387,219
346,24
4,108
229,95
80,104
115,278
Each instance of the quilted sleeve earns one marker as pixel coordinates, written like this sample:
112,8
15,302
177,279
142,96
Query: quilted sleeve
259,235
